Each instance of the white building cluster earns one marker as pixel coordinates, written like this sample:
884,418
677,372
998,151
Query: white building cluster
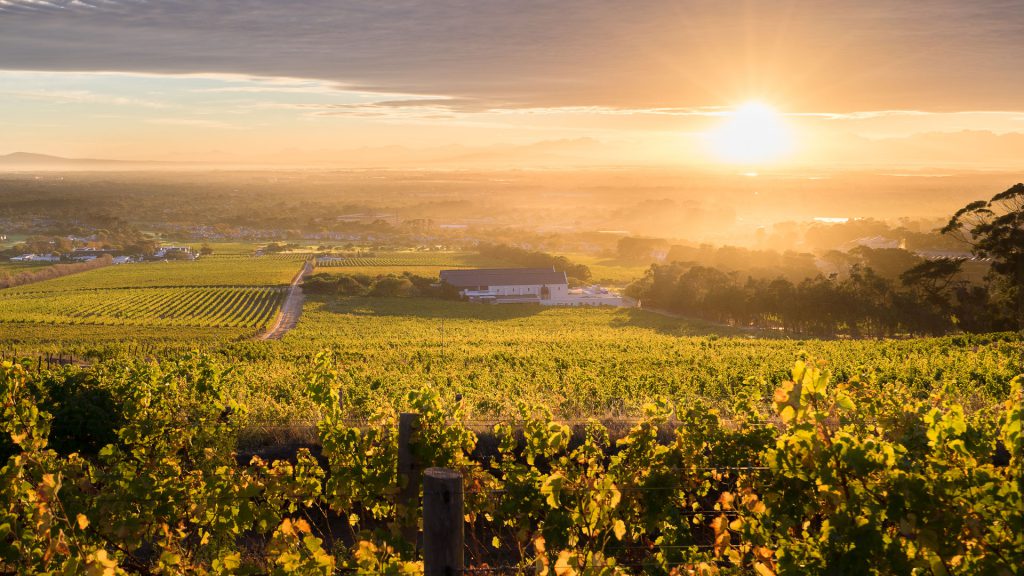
545,286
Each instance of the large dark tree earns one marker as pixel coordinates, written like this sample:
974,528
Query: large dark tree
995,231
933,276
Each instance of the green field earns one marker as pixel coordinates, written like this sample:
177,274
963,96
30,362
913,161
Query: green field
236,271
8,267
603,270
419,263
610,271
12,239
453,259
427,264
222,248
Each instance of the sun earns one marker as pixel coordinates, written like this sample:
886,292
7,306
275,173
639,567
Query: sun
754,133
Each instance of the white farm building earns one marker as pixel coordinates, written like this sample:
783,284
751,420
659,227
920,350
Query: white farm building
500,285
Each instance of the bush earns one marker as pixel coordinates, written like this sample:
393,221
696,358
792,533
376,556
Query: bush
352,286
85,414
390,286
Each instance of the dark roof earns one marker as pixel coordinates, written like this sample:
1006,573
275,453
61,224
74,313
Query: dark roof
502,277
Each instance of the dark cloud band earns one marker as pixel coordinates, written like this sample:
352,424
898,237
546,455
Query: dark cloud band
835,55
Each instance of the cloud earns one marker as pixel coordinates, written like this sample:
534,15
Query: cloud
194,123
487,54
80,97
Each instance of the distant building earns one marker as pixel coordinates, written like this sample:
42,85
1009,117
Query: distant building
875,242
36,258
507,285
175,253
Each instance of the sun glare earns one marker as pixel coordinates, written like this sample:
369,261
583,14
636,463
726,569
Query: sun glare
754,133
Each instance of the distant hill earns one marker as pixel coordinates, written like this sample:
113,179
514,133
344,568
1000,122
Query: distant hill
33,161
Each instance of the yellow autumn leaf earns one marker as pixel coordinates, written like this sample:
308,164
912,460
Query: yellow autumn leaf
620,529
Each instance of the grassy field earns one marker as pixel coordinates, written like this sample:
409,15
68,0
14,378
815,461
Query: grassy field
603,270
224,248
12,239
237,271
610,271
8,267
419,263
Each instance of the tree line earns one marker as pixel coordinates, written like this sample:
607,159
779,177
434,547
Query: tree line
534,259
382,285
929,298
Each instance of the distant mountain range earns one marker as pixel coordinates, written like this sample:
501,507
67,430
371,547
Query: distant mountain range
580,151
32,160
966,149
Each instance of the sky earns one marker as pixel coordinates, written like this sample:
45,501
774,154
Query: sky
850,83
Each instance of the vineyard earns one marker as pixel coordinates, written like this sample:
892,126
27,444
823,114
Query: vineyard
230,271
454,259
831,476
610,441
578,363
420,263
245,307
40,340
599,362
172,305
296,257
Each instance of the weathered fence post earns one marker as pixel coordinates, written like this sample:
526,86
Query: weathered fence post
443,523
409,471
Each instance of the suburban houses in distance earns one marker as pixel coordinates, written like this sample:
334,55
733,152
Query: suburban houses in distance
87,254
545,286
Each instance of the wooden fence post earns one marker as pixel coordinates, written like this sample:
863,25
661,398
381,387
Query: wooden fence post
443,523
409,471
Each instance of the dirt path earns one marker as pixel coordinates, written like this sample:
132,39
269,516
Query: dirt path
288,317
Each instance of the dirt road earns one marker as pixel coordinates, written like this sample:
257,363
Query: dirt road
288,317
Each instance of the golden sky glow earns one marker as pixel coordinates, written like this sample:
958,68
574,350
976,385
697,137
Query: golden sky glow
827,84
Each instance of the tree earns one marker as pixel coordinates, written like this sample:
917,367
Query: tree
995,230
933,276
886,262
206,249
640,249
391,286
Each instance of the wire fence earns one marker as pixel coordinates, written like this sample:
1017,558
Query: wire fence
494,538
510,422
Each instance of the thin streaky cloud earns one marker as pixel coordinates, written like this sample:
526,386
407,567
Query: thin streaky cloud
81,97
